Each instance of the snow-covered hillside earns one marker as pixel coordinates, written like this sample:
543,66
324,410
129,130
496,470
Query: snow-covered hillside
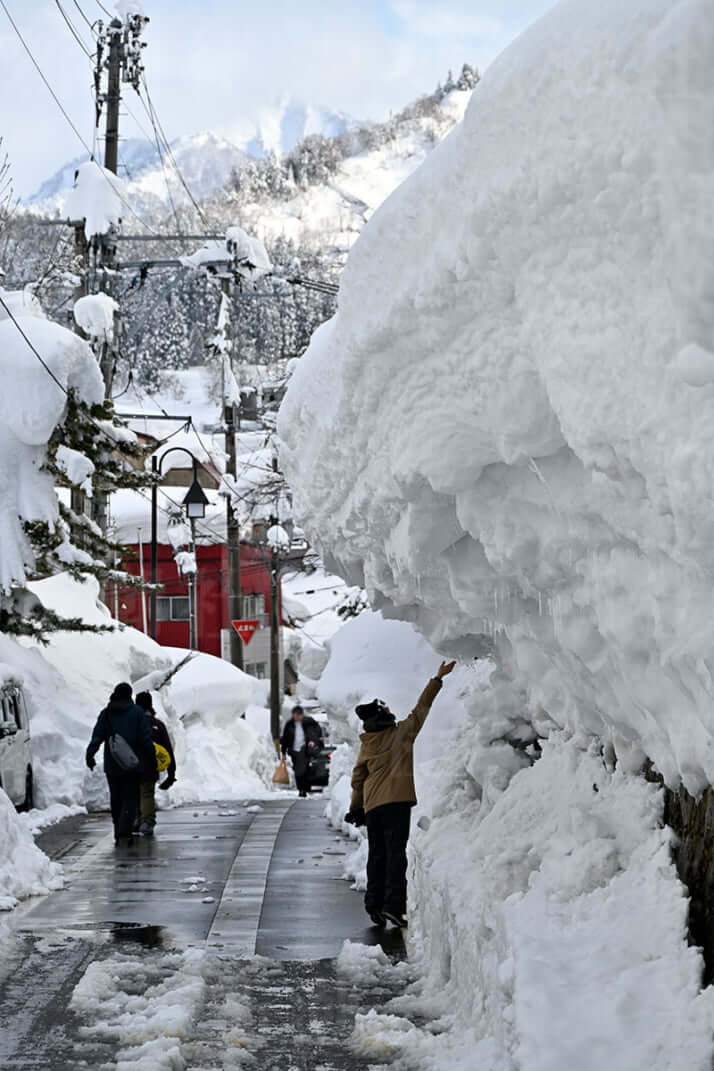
505,434
206,159
328,215
283,124
206,162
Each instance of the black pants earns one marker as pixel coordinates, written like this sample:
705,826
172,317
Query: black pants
301,770
123,797
388,833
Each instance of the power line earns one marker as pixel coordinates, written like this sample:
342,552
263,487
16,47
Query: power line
72,29
155,119
39,70
66,115
86,19
157,139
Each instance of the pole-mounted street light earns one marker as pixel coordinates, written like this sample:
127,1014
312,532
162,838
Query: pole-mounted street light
195,504
275,541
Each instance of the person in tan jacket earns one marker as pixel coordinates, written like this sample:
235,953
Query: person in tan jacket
383,795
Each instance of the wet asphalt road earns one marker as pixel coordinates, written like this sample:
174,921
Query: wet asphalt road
259,894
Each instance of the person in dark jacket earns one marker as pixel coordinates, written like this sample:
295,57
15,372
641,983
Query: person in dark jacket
302,737
383,795
123,717
146,818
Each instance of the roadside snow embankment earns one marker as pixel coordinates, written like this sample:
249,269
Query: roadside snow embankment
24,869
506,435
495,434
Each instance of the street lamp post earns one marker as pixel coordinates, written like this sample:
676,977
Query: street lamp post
277,540
195,504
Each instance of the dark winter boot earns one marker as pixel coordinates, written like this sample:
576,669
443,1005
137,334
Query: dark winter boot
396,920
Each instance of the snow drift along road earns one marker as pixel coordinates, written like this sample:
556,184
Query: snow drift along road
508,429
505,434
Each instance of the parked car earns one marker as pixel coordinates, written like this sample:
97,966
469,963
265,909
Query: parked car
15,750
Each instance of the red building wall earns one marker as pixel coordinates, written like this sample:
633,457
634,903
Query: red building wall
212,592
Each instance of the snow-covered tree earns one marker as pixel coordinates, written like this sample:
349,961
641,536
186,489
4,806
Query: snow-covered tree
45,370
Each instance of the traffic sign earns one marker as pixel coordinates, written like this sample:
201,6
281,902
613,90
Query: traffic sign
246,629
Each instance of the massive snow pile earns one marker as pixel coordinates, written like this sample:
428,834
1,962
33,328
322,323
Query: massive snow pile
505,435
508,427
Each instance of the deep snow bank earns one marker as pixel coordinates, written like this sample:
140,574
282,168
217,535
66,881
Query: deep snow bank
508,428
555,935
24,869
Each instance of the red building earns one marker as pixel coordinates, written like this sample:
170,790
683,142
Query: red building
172,604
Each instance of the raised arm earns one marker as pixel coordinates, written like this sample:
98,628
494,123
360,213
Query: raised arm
412,725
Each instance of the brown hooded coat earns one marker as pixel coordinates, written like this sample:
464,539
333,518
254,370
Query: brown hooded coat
384,771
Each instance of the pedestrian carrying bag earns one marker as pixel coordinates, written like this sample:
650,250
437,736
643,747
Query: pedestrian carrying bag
121,750
281,775
163,759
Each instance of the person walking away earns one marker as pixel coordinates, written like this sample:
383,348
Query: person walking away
123,723
302,737
146,817
383,795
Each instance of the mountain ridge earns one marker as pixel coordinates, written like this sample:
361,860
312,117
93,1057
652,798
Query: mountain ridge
207,159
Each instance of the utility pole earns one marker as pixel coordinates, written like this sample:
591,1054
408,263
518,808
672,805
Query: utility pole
235,607
275,696
112,100
77,495
113,96
121,41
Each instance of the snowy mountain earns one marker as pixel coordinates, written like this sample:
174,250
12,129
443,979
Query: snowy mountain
288,122
206,160
322,198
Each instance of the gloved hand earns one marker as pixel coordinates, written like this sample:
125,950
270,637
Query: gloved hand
356,817
167,783
91,762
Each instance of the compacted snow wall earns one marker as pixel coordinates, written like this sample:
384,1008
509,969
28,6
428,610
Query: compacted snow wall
508,428
506,435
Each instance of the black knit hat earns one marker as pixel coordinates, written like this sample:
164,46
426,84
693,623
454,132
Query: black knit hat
143,700
376,709
122,691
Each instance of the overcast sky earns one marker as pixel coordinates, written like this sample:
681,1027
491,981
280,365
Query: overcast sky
214,64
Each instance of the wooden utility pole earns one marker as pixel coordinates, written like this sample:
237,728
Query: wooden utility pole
235,603
121,40
78,499
111,163
276,699
276,696
113,97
